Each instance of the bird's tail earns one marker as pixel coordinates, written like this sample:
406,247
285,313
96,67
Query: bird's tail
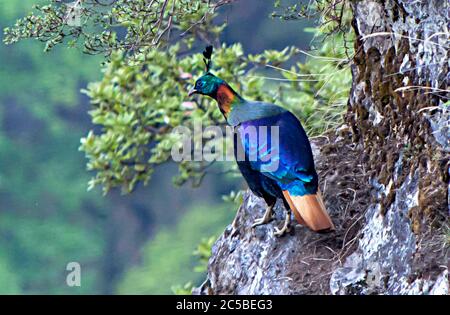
310,210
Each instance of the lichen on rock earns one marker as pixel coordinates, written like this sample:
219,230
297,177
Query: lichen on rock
383,262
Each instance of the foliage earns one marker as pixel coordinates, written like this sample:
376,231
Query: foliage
183,290
138,104
234,197
142,95
203,252
42,179
105,27
333,15
168,258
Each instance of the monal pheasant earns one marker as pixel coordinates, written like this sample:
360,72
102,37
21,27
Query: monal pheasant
289,174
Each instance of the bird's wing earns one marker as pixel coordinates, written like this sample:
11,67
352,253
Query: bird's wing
285,157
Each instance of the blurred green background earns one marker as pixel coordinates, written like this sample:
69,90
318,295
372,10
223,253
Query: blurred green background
139,243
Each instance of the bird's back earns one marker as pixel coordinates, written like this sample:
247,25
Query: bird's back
248,111
293,159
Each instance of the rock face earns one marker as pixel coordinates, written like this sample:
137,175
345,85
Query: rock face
248,260
384,260
397,111
263,263
384,175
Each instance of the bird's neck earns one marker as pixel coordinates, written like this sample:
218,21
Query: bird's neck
227,99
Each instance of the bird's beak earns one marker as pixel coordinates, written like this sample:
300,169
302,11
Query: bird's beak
192,92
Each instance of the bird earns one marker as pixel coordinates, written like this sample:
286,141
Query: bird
289,174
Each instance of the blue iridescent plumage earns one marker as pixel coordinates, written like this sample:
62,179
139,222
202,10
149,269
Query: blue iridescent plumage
287,160
273,154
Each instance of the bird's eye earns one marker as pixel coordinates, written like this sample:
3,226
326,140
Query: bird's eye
200,84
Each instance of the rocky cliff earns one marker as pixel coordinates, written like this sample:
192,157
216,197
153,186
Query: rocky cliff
384,175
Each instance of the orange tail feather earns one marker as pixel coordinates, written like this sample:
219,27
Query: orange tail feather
297,215
310,210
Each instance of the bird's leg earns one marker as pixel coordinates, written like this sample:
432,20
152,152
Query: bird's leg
286,226
266,217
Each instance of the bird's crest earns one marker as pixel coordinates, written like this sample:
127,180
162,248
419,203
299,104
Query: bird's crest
207,57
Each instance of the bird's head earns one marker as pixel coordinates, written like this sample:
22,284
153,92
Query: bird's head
207,84
212,86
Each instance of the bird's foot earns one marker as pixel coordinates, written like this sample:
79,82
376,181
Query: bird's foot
285,228
280,232
266,218
261,221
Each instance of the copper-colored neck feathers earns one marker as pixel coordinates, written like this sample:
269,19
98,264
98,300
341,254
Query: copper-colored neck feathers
226,98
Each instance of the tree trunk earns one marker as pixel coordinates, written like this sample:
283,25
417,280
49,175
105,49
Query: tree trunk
384,175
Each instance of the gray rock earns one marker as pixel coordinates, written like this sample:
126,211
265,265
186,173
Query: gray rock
383,262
